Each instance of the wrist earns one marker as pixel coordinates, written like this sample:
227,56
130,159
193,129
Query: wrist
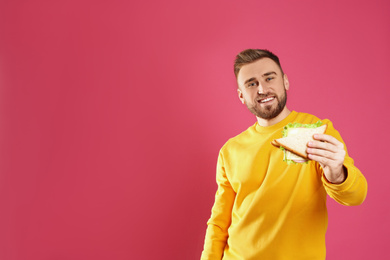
341,177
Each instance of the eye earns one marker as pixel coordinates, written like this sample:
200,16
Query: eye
252,84
269,79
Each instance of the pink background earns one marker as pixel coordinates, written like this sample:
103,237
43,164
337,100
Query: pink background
112,114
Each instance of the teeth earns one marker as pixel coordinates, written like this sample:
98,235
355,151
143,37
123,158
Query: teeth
267,99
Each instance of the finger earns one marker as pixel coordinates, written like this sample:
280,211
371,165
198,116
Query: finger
324,146
322,153
323,161
328,138
325,157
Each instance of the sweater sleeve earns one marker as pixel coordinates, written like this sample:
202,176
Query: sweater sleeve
353,190
219,222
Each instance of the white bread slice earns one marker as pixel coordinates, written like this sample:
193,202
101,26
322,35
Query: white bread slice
297,140
293,157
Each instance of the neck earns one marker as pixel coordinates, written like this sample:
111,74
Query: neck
268,122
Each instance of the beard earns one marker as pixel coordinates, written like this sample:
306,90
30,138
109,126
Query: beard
268,112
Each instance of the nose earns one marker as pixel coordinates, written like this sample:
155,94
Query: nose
261,89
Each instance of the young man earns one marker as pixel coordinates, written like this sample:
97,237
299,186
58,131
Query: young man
265,208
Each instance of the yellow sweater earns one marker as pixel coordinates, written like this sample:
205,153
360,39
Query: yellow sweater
266,209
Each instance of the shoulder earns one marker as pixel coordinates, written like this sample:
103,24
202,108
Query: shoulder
306,118
240,139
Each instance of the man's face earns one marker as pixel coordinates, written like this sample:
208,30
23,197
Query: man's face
262,88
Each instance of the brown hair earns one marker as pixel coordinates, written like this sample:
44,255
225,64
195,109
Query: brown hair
250,55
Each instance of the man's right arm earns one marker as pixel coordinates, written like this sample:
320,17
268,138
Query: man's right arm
219,222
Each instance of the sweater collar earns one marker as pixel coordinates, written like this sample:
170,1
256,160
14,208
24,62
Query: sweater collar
271,128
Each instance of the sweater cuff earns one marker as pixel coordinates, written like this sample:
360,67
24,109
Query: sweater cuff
348,182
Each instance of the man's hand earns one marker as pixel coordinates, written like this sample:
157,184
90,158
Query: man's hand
329,153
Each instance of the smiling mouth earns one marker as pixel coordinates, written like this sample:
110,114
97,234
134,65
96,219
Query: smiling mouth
265,100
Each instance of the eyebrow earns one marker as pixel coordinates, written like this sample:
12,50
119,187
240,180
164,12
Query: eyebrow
264,75
249,80
268,73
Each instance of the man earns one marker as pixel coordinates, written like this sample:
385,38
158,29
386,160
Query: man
265,208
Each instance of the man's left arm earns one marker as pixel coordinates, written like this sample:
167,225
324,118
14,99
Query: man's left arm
342,180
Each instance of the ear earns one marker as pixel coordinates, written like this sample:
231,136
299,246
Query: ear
285,81
240,96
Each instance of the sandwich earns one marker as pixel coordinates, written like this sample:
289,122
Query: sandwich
295,139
